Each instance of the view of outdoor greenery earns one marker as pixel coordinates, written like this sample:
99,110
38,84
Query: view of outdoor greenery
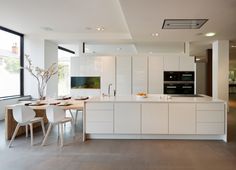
9,64
64,72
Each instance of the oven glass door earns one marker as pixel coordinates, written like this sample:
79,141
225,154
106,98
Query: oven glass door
187,89
187,76
171,89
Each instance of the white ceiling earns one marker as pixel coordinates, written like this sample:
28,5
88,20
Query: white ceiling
125,21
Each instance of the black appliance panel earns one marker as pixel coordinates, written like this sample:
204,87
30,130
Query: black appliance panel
187,76
171,76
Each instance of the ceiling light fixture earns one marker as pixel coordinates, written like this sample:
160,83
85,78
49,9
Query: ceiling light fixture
210,34
233,46
183,23
155,34
100,28
47,28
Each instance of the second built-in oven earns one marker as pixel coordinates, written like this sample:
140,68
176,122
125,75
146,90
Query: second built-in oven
179,82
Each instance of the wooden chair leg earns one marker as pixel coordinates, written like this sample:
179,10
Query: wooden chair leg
61,134
14,134
43,128
46,136
26,131
31,134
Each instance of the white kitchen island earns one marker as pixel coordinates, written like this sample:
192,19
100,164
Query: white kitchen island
155,117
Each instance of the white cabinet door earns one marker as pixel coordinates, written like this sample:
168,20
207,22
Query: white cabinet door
123,75
108,74
127,118
155,118
155,84
182,118
186,63
171,63
139,71
99,118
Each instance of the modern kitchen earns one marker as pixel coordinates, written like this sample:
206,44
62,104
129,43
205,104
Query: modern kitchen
132,85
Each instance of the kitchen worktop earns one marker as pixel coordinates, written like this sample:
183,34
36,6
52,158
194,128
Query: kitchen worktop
154,98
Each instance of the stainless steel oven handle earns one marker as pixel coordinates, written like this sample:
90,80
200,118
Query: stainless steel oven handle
187,87
171,87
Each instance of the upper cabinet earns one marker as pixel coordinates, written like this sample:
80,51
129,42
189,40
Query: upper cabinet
186,63
108,74
179,63
123,75
155,74
171,63
140,74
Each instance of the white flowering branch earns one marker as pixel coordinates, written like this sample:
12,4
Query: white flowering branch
42,75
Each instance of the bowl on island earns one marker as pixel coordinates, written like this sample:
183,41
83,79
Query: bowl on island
141,95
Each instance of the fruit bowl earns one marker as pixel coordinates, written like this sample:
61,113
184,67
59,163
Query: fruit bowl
141,95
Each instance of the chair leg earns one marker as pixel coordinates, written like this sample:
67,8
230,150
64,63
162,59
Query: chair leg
31,134
26,131
43,128
61,134
46,136
14,134
72,128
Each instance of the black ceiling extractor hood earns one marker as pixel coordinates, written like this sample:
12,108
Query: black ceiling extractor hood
183,23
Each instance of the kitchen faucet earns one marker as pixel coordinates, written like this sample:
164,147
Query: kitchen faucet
109,89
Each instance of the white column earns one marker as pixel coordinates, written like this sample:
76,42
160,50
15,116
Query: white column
220,69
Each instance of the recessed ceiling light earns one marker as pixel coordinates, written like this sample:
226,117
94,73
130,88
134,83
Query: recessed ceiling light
233,46
155,34
100,28
198,59
210,34
47,28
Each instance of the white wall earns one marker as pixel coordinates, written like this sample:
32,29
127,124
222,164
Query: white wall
51,56
220,70
42,53
34,47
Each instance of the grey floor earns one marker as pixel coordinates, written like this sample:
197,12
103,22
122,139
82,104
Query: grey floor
120,154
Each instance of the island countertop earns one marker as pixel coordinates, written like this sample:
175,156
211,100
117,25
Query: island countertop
155,98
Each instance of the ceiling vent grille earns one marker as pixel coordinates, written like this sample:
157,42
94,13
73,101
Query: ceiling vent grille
183,23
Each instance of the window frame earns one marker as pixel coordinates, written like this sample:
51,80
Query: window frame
21,62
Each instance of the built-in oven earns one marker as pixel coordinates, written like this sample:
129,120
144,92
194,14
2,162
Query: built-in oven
178,82
186,76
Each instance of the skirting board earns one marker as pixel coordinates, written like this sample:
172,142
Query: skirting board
172,137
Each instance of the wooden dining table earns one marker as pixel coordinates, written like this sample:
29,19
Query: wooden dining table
40,110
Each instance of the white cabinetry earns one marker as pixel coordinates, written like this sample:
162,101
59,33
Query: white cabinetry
155,118
139,70
127,118
182,118
171,63
186,63
179,63
123,75
210,118
107,73
99,118
155,74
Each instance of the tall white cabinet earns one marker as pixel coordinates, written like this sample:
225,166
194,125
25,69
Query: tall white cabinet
155,74
139,74
108,73
179,63
123,75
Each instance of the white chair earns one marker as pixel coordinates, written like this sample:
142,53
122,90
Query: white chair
56,116
25,116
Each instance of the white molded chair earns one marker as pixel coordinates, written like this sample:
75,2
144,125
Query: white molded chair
25,116
57,116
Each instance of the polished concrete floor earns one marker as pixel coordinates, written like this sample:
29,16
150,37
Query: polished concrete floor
120,154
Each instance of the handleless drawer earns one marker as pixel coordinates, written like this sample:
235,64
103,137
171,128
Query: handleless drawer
99,106
210,128
210,106
210,116
99,116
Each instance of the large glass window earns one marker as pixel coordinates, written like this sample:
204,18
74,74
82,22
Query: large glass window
64,56
11,45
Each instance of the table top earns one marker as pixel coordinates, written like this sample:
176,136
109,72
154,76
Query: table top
70,104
